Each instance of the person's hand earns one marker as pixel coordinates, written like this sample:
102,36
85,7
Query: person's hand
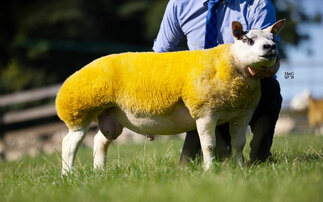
265,72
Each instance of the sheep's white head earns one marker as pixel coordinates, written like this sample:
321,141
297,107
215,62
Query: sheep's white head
256,48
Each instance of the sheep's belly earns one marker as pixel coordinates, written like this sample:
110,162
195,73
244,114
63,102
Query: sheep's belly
178,121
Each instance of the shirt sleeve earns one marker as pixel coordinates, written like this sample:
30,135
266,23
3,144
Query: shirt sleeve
170,33
262,15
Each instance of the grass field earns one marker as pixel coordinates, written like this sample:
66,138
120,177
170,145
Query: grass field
150,172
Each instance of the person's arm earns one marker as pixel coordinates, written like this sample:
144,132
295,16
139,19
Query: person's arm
262,16
170,33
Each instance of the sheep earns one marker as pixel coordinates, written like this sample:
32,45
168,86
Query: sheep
167,93
315,114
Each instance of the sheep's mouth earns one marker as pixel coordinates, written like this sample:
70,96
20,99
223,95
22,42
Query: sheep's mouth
269,56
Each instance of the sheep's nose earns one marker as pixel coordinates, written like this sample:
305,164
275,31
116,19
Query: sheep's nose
268,46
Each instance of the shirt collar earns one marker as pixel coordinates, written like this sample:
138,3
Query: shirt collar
205,1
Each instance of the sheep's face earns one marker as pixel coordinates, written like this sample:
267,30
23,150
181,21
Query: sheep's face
256,48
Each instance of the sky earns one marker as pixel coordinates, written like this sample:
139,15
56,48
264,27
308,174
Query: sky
315,30
302,71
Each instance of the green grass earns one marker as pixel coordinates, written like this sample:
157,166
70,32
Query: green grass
150,172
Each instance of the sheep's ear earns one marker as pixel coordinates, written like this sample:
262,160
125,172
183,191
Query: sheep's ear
277,27
237,30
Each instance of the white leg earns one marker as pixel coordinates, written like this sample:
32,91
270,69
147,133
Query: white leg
206,130
70,145
101,144
238,137
238,141
110,129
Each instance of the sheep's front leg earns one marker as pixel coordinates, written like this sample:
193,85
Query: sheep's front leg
206,130
70,145
238,129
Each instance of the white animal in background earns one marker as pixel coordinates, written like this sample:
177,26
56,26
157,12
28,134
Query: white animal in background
300,101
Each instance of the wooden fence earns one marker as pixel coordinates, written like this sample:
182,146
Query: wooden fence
31,113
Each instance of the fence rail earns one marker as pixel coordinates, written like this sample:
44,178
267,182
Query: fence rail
31,113
29,95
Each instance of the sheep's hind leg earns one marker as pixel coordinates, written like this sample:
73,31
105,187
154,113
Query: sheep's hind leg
110,129
70,145
100,148
238,137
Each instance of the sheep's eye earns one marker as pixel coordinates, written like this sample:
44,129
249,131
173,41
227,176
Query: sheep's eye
250,42
247,40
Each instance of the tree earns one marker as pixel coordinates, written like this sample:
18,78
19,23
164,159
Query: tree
44,42
296,17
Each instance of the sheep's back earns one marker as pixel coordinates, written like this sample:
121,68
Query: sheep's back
151,83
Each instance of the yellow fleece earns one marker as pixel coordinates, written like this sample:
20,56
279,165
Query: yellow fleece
150,83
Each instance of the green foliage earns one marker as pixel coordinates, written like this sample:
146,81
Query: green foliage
15,78
296,17
51,40
150,172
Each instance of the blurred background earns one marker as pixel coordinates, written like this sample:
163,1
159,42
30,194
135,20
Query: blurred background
42,43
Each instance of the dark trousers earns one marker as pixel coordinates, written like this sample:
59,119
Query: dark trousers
262,126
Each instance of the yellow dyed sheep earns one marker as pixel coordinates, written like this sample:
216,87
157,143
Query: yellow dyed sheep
166,93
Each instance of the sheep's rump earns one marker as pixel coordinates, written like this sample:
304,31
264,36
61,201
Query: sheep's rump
138,82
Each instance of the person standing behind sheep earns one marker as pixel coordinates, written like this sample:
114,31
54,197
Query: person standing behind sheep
205,24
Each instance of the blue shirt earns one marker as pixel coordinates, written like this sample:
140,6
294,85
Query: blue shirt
188,18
